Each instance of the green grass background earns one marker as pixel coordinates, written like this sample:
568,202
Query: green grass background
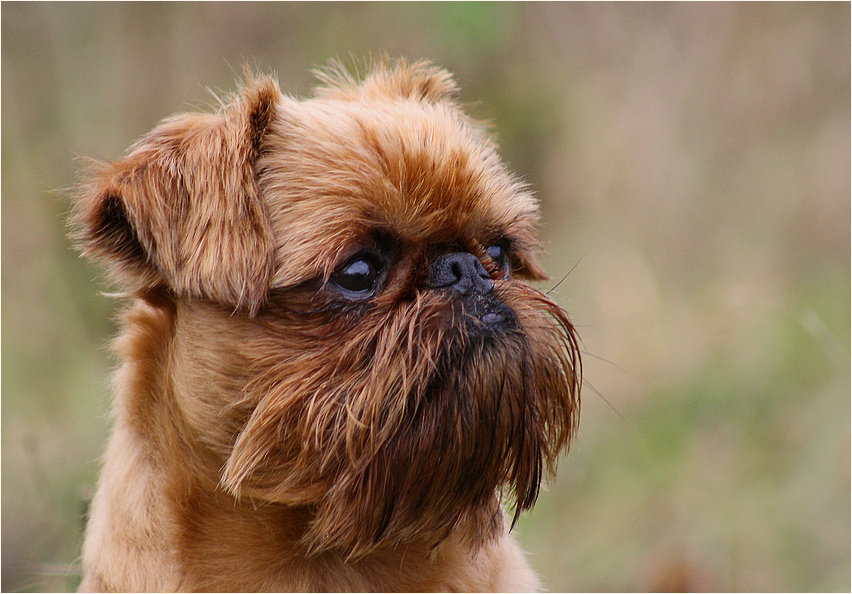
695,160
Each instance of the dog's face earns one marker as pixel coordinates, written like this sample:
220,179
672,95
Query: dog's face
353,333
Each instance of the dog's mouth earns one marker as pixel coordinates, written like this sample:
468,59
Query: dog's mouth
415,428
487,315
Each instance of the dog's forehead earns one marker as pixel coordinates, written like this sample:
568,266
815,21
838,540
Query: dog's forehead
334,171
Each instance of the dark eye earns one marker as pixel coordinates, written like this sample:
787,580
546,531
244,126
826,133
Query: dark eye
357,276
500,256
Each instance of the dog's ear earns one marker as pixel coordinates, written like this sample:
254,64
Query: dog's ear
420,81
183,209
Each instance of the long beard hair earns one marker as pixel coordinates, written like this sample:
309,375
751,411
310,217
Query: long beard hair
411,422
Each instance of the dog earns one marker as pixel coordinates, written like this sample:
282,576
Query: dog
334,373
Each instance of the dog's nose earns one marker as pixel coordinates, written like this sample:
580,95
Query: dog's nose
461,271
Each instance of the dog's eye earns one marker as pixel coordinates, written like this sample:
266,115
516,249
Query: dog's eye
357,276
500,256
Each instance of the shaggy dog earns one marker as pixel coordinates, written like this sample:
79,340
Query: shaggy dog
334,374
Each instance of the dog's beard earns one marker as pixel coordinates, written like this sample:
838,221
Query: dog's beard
411,416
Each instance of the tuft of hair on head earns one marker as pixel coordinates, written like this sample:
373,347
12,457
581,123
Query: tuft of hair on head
419,81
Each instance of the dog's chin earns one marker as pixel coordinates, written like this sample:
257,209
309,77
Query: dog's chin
418,424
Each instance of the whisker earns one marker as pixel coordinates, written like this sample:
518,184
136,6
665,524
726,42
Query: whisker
553,288
602,397
604,359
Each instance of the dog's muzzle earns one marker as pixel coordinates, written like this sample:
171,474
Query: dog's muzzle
463,273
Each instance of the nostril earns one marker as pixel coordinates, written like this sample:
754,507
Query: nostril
461,271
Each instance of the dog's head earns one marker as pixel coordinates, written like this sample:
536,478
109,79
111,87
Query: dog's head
353,332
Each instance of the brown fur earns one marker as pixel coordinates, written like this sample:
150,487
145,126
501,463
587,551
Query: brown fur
272,433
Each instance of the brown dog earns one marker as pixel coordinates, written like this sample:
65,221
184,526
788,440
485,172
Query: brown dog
333,373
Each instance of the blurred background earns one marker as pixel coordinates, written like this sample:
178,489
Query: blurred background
693,167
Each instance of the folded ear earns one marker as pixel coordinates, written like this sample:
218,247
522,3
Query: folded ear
183,209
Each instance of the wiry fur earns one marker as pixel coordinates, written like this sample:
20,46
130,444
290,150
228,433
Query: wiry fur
271,434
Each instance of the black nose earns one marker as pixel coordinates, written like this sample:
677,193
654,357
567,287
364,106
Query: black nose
461,271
